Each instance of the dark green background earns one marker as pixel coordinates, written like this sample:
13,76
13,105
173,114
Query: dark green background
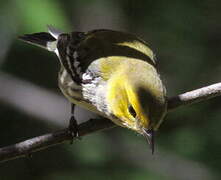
186,37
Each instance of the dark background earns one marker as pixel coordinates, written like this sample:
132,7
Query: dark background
186,37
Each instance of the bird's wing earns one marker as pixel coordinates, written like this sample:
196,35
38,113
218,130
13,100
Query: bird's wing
78,50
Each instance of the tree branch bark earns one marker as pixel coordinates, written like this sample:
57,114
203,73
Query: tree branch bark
194,96
27,147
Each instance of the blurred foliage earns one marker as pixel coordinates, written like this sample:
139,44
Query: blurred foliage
185,35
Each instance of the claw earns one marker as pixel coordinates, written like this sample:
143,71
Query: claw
73,129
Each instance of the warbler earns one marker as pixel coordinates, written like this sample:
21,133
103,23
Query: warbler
111,73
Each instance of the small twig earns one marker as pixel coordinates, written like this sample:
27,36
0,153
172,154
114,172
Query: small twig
194,96
29,146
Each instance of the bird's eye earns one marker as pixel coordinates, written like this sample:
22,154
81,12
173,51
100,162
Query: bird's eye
132,111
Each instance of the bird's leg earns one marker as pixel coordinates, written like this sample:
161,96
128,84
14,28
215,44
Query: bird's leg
73,126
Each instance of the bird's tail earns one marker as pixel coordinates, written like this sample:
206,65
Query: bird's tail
43,39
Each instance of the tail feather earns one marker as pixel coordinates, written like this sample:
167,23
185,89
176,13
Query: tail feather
54,31
42,39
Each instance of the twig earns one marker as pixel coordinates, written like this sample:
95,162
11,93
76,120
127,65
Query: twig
29,146
194,96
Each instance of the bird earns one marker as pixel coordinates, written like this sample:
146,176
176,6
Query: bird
111,73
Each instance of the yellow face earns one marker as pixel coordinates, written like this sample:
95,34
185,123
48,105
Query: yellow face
135,108
134,94
124,103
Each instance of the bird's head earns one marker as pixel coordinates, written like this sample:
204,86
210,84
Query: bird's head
136,97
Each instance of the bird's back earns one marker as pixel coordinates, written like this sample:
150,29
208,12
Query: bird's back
108,43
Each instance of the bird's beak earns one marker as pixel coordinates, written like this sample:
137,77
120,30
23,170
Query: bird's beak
149,135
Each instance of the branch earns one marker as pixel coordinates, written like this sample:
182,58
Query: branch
194,96
29,146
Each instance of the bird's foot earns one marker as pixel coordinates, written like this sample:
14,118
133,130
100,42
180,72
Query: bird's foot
73,129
